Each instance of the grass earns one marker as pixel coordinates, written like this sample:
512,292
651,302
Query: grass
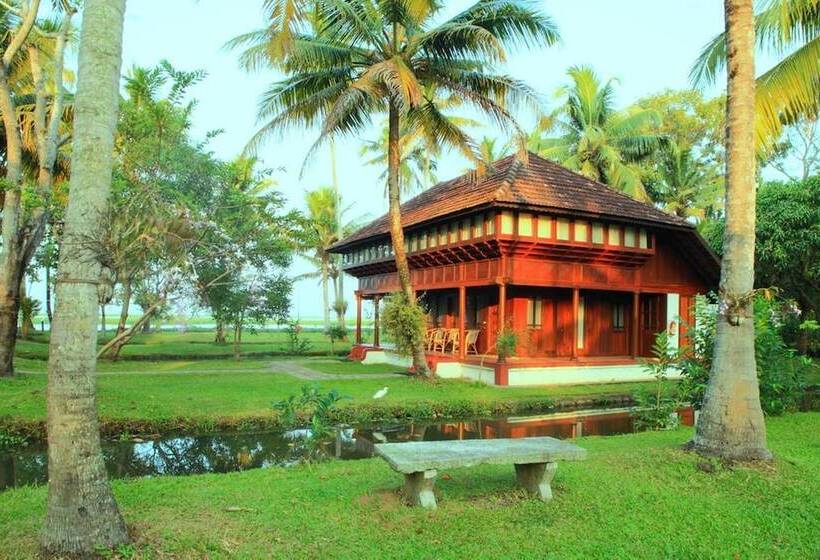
637,496
341,366
175,345
192,397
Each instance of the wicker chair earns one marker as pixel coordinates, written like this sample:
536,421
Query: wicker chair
453,340
439,340
470,340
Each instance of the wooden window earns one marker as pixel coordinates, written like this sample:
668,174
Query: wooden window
618,316
414,243
581,231
534,312
442,235
643,242
490,224
562,229
525,224
478,225
544,227
614,235
454,232
507,223
466,229
598,233
423,240
629,236
432,238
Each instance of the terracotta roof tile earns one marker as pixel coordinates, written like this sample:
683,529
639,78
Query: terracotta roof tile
538,183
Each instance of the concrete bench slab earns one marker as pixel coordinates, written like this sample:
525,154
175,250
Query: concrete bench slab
535,461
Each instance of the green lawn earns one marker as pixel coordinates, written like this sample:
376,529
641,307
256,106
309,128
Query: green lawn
637,496
191,395
171,345
342,366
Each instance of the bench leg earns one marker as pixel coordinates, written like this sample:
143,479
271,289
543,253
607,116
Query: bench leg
418,489
535,478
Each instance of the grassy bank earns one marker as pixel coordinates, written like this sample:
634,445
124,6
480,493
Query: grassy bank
238,395
637,496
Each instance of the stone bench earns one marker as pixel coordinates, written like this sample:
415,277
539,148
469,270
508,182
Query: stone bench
535,461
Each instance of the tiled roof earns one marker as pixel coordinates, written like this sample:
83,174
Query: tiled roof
538,183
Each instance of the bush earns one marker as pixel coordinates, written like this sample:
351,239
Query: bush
781,371
334,333
405,322
505,343
656,408
298,345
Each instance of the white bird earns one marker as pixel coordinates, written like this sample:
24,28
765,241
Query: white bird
380,393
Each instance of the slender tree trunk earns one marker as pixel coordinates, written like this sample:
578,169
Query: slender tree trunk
102,319
126,303
11,262
48,293
340,289
396,230
26,323
325,296
219,337
731,423
82,514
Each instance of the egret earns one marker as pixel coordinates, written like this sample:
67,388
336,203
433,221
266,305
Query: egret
380,393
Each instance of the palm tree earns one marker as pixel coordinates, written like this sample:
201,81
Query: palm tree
322,232
348,60
682,185
789,90
731,422
418,165
82,514
595,139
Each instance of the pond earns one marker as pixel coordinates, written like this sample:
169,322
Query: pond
221,453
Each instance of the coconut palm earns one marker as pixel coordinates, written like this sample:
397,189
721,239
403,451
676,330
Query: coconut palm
82,514
595,139
321,232
348,60
789,90
417,168
731,422
682,186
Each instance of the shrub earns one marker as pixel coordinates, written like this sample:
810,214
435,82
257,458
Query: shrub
506,343
781,371
334,333
297,344
405,322
656,408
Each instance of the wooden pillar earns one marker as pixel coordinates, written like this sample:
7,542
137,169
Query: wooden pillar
576,301
358,318
376,323
636,296
462,316
502,306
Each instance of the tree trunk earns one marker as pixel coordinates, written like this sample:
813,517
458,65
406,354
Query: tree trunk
82,514
396,231
339,285
102,319
237,339
48,293
146,325
11,265
111,349
731,422
26,323
219,338
325,295
126,303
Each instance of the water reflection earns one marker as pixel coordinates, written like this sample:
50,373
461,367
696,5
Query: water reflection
221,453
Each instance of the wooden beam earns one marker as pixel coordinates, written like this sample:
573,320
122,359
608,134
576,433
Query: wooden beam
358,318
576,300
636,296
502,306
462,316
376,323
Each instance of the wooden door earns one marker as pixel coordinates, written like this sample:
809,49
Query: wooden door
652,320
564,326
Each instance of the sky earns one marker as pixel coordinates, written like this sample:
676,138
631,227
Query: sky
647,45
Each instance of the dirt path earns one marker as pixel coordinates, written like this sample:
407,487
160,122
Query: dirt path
300,371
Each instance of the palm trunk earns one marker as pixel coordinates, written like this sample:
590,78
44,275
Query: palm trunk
48,293
325,295
82,514
11,267
396,231
339,285
731,422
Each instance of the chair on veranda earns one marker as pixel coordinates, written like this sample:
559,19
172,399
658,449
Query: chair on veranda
470,340
453,340
439,340
428,338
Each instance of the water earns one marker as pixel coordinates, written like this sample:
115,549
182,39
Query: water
222,453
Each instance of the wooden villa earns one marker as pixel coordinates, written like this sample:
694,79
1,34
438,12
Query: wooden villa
584,275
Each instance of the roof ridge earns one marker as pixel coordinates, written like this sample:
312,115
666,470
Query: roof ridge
510,174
